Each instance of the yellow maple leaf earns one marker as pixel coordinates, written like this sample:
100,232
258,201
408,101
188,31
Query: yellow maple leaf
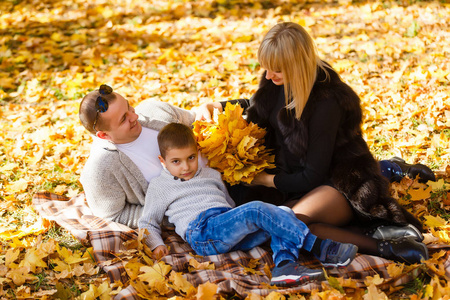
376,280
20,275
94,292
438,185
33,258
71,257
206,291
233,146
132,268
195,265
275,296
395,270
11,256
347,282
443,235
180,284
252,296
251,267
420,193
435,263
335,283
157,272
60,266
435,290
8,167
89,294
143,290
86,268
428,291
434,221
40,226
18,186
267,271
373,293
49,247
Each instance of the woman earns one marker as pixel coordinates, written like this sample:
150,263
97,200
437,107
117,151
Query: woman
324,169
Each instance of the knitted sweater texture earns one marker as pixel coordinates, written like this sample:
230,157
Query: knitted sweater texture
181,201
115,188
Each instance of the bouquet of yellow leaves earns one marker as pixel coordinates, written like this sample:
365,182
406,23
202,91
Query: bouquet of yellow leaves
234,146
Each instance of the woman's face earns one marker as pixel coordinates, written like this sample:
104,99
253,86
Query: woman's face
276,77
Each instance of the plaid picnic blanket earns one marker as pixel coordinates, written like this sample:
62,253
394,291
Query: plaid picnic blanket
229,274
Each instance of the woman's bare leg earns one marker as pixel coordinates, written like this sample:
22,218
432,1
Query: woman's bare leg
325,210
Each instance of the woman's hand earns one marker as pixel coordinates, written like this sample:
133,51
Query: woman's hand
160,251
205,111
264,179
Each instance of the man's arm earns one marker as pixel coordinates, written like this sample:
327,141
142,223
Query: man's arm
112,191
157,114
206,110
109,201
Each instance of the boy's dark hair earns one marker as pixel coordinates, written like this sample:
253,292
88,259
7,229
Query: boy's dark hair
175,135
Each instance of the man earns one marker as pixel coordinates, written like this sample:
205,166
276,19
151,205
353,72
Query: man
124,153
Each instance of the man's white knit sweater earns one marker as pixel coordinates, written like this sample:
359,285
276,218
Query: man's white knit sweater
181,201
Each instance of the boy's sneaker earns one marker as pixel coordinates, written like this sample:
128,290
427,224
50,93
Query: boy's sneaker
292,273
334,254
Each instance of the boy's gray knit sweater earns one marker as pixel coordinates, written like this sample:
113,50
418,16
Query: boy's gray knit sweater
181,201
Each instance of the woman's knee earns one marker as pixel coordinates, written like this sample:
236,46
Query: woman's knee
314,227
324,205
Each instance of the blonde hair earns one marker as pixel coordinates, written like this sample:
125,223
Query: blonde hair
289,49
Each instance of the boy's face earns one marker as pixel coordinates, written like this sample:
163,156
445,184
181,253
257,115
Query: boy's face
181,162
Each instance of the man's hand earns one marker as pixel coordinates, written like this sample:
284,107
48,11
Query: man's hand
160,251
205,111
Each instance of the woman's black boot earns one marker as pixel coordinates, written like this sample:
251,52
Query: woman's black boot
403,250
412,171
389,232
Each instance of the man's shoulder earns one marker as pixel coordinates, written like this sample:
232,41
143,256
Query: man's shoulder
101,158
103,149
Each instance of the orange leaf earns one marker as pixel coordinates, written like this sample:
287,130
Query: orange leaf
420,193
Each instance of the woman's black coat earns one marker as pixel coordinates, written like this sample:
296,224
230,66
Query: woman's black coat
353,169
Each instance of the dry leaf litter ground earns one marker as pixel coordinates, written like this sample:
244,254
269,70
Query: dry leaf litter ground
394,54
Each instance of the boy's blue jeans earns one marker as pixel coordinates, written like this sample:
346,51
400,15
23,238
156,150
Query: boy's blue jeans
223,229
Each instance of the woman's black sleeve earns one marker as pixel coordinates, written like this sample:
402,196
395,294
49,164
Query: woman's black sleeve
322,132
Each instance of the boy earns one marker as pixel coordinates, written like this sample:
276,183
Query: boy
197,203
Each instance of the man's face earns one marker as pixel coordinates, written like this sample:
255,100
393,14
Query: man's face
181,162
123,125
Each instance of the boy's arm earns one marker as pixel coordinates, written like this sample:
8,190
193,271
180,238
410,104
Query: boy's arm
160,251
